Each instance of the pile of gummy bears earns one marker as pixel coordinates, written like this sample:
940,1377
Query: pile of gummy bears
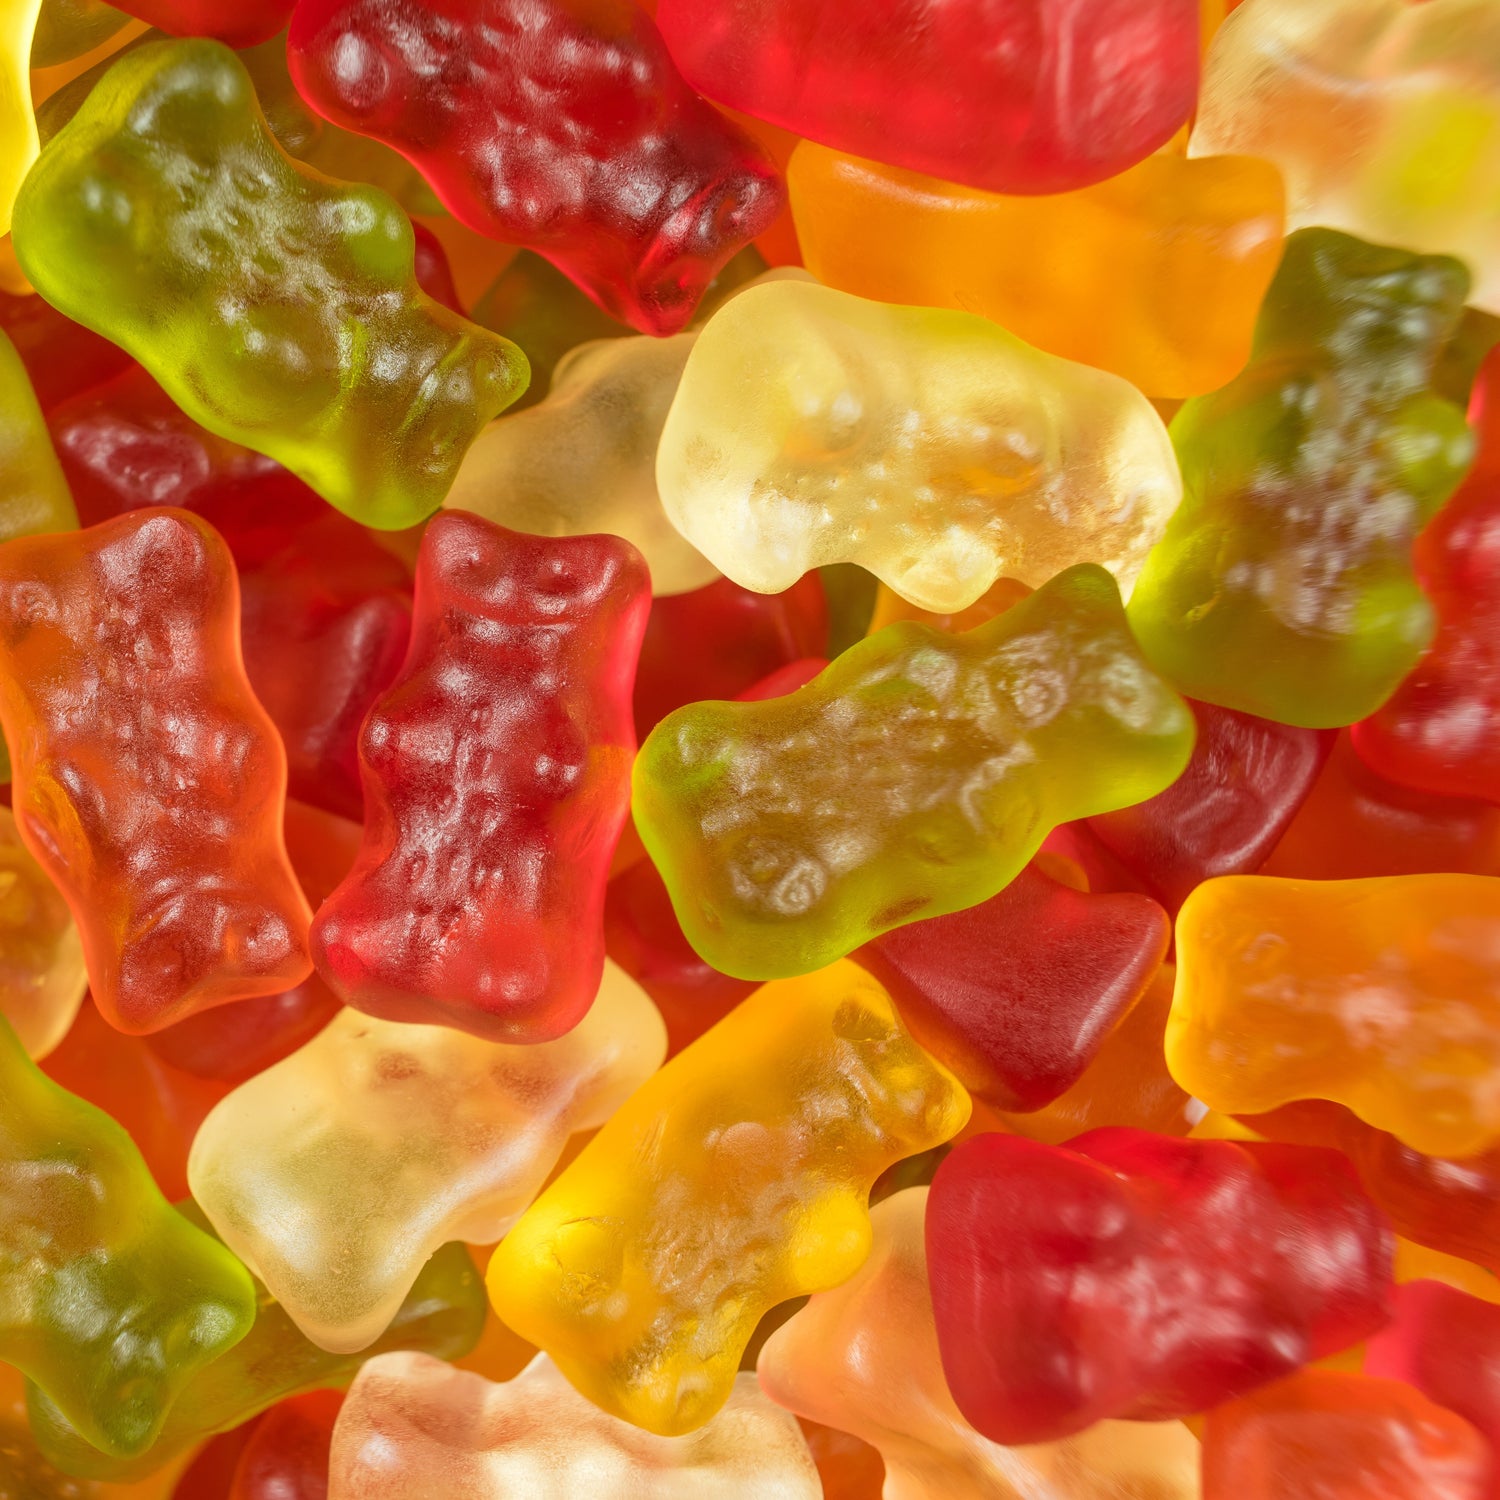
751,750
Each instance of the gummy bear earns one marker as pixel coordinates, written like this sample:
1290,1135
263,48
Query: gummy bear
416,1429
112,1302
35,495
1136,1275
735,1178
1283,586
276,307
148,781
336,1173
557,124
496,782
1156,274
929,446
1382,994
914,777
242,23
1021,96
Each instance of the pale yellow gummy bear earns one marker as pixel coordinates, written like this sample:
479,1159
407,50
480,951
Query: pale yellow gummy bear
335,1174
42,976
930,446
1382,115
583,460
19,144
864,1358
414,1428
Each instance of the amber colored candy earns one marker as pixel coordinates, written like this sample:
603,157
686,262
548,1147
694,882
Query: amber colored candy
148,781
999,597
1156,274
1322,1435
734,1179
1381,994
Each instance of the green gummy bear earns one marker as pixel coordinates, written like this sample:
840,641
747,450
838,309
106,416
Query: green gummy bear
110,1300
277,307
443,1315
1283,586
914,776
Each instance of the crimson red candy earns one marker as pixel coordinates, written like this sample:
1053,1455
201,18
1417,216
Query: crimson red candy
496,779
1452,1206
717,641
1440,732
1224,814
241,23
557,124
1020,96
1017,994
61,357
433,273
286,1457
1136,1275
1447,1344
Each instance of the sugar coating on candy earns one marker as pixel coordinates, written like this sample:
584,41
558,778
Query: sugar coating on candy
914,777
336,1173
929,446
149,783
276,307
1141,1276
558,124
496,776
1283,586
735,1178
1057,94
443,1315
863,1357
584,459
415,1429
1383,994
1155,275
109,1299
1381,115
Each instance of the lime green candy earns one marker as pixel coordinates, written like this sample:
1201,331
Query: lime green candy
277,307
913,777
1284,585
110,1300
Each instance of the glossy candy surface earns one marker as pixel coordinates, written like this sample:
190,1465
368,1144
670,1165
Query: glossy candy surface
864,1357
1147,1277
511,717
1063,93
149,783
1078,274
733,1179
1381,994
110,1301
1283,586
914,777
557,124
336,1173
258,346
929,446
416,1429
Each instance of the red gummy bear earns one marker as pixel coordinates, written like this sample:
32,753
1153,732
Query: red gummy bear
1447,1344
1017,994
1140,1276
241,23
557,124
286,1457
148,781
1440,732
497,780
1019,96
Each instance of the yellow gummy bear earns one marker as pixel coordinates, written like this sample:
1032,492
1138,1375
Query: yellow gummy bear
734,1179
1382,115
18,138
931,447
